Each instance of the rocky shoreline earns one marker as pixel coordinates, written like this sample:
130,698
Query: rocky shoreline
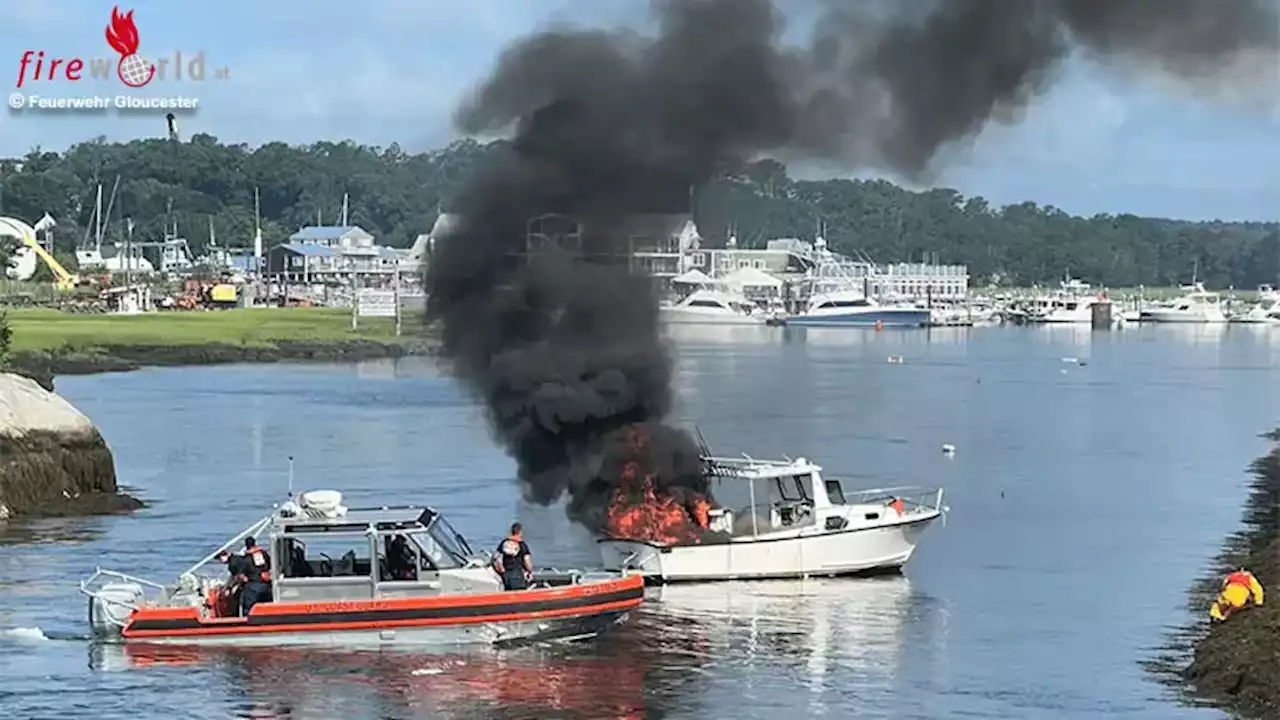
53,460
1236,664
43,365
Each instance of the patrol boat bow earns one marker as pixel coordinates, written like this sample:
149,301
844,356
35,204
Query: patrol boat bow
402,575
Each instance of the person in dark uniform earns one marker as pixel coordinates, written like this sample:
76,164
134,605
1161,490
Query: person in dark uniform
238,569
513,561
258,567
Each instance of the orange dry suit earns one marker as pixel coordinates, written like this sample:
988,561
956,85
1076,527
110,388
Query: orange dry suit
1237,589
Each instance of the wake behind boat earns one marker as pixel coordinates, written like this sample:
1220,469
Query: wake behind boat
366,576
790,522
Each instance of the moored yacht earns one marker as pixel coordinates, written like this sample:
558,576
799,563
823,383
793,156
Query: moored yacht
1197,306
714,307
1073,303
854,308
1265,311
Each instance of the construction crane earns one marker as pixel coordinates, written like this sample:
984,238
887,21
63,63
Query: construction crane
62,278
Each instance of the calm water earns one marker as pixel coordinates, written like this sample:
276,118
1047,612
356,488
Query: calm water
1084,499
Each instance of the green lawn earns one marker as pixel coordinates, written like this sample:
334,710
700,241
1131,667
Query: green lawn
51,329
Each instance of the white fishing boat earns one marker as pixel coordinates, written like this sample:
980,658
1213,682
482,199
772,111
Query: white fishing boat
714,307
1073,303
1197,306
784,519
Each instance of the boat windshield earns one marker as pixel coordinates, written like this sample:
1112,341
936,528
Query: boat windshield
450,540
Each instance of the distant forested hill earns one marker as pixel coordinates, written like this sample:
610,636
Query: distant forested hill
396,195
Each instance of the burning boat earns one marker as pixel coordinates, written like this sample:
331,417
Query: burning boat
360,576
769,519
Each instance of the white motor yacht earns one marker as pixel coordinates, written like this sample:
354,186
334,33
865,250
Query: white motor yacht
852,307
714,307
789,522
1265,311
1197,306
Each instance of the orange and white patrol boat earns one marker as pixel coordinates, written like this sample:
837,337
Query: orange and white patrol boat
359,576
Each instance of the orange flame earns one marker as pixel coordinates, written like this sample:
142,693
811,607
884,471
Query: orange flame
639,512
122,34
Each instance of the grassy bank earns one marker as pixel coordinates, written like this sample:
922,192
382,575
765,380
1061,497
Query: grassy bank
1236,665
61,343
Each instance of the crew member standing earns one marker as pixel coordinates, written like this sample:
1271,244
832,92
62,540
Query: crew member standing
513,561
1237,589
228,604
258,587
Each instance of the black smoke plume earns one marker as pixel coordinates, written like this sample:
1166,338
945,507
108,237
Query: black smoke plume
567,354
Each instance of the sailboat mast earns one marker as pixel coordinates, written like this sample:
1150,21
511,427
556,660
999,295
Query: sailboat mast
97,220
105,224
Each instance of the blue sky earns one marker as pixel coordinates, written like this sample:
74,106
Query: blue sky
383,71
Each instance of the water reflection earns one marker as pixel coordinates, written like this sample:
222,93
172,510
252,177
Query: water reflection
1188,333
694,650
829,632
48,531
722,334
607,679
857,336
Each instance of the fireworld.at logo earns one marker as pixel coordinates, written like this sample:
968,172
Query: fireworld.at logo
129,66
122,35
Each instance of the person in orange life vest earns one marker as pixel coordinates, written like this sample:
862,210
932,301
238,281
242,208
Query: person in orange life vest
897,504
513,561
1237,589
258,586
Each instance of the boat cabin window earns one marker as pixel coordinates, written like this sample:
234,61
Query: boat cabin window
706,303
325,555
861,302
794,489
835,493
401,559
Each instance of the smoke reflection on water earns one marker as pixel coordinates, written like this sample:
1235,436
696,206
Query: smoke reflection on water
690,650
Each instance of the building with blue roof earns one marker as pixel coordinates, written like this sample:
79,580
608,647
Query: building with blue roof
330,255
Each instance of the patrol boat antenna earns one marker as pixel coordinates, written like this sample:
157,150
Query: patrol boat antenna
290,477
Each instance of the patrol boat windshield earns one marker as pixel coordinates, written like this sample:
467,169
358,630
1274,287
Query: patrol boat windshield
450,540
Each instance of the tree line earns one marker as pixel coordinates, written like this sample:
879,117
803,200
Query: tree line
207,188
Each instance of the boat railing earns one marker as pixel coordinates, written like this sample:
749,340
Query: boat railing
914,498
253,529
741,466
91,587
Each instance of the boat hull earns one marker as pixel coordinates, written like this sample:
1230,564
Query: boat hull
480,618
1176,316
679,317
886,317
841,552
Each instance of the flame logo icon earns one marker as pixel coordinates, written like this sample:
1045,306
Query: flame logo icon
122,35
